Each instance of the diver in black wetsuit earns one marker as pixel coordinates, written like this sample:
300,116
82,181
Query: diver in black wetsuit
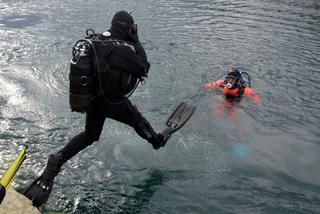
127,63
124,63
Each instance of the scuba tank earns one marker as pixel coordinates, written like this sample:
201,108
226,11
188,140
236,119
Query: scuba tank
81,76
90,76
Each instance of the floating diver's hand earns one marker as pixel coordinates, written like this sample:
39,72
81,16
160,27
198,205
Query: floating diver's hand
209,85
255,98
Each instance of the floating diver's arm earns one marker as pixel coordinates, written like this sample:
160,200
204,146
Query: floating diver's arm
255,98
249,92
209,85
215,84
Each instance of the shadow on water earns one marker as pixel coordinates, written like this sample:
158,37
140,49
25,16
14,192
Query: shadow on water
20,21
138,201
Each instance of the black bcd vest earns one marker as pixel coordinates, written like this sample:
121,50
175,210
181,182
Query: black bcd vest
90,75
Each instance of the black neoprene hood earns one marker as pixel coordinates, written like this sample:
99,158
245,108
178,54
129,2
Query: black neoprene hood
122,16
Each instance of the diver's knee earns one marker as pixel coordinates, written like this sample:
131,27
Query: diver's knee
93,136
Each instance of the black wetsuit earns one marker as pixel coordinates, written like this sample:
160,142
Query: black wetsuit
134,63
120,60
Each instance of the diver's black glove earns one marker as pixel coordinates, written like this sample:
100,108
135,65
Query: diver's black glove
133,35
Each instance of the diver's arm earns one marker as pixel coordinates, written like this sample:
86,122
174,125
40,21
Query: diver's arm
124,58
254,98
250,93
215,84
209,85
140,50
134,38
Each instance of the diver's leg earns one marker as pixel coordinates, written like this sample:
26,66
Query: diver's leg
39,191
128,114
93,129
145,130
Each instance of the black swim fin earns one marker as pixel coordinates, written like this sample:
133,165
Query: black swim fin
38,192
178,118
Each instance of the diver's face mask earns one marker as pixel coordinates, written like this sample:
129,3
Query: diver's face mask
231,81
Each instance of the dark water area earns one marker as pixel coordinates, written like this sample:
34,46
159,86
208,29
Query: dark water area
240,157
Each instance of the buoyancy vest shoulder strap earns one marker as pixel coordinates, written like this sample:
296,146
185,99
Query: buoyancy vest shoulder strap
101,49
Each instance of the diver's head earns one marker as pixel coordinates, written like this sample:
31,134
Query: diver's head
234,71
123,24
233,77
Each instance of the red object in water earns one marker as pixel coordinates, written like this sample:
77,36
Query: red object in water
248,92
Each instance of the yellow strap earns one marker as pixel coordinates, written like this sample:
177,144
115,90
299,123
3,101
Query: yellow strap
14,167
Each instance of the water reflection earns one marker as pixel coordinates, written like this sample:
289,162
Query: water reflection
19,21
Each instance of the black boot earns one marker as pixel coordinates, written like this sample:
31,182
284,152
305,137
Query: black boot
177,119
159,142
39,191
162,138
52,169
